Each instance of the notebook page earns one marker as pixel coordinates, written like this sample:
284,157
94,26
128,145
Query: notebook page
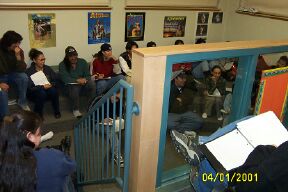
264,129
231,150
39,78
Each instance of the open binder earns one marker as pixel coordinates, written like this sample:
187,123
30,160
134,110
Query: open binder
232,149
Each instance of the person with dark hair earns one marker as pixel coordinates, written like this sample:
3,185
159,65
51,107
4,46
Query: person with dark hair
151,44
125,60
214,93
200,41
74,72
102,68
27,170
12,67
282,62
40,93
179,42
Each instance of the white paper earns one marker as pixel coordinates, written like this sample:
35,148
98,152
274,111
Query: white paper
39,78
264,129
231,150
216,93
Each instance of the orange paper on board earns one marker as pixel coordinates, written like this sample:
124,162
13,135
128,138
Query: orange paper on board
273,91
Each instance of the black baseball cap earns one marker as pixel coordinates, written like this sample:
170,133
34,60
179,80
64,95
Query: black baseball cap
106,47
70,51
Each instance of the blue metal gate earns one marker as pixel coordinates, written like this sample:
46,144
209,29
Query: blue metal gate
98,138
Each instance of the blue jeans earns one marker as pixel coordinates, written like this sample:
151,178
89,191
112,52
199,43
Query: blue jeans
21,81
3,104
106,84
187,121
40,95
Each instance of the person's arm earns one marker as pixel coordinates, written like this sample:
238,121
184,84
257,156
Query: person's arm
20,65
64,74
210,86
124,66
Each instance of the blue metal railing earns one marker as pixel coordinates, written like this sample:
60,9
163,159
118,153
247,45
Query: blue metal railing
98,138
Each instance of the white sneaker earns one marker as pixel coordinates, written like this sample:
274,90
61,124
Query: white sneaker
25,107
220,118
77,114
181,142
223,111
47,136
204,115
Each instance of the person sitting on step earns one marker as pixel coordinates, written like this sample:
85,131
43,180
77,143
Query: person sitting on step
48,91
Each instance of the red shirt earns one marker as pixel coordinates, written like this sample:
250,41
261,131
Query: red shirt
105,67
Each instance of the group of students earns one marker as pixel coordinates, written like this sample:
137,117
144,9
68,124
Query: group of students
105,70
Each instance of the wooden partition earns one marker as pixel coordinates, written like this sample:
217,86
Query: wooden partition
152,70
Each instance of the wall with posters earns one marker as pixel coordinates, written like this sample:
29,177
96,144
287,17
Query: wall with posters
72,30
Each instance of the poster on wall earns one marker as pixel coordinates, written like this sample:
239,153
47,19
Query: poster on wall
174,26
99,25
217,17
203,17
134,26
42,30
201,30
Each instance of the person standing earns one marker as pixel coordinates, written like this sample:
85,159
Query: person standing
40,93
12,67
75,74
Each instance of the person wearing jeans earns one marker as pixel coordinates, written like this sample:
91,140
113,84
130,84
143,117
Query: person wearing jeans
75,74
102,68
12,67
3,100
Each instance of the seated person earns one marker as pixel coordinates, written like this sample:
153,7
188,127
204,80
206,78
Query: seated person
75,74
12,68
282,62
40,93
214,92
24,167
102,68
181,120
179,42
151,44
125,60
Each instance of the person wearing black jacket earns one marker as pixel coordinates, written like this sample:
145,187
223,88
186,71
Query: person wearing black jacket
12,67
40,93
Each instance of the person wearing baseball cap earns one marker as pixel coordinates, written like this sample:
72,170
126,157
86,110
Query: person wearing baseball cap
102,68
74,72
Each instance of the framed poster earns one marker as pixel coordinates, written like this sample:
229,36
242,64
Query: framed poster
203,17
217,17
42,30
174,26
134,26
99,24
201,30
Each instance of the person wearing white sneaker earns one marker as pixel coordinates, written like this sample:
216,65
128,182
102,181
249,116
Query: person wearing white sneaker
75,74
214,92
12,67
77,113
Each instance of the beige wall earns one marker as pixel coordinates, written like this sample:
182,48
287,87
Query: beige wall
71,29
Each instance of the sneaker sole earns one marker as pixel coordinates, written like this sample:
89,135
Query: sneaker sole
182,148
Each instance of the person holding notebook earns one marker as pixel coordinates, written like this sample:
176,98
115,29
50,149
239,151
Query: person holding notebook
102,68
40,93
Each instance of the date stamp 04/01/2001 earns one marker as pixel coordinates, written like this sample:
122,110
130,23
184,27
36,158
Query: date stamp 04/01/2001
234,177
